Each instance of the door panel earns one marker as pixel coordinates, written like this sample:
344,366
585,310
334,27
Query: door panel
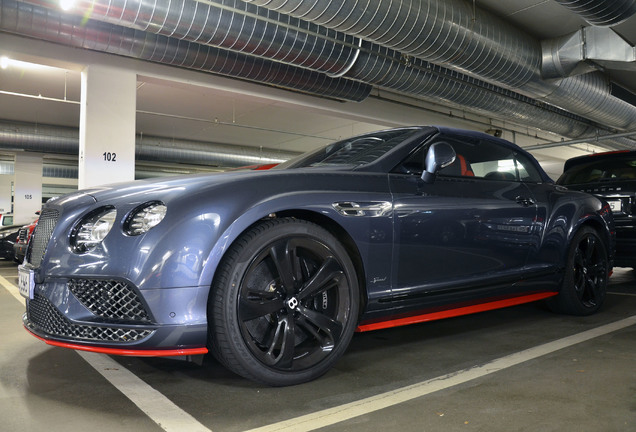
457,229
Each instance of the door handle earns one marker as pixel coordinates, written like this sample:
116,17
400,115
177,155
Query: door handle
526,202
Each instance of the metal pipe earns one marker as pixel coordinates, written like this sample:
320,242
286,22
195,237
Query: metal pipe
51,24
65,140
454,34
596,138
602,13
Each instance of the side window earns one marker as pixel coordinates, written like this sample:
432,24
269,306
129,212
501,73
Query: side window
491,161
478,159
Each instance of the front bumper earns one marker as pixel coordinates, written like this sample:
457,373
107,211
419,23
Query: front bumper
625,244
107,315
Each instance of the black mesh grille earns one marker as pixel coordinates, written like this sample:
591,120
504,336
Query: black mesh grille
46,317
41,236
109,299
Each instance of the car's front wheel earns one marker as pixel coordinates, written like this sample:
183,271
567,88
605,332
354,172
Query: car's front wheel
586,274
284,304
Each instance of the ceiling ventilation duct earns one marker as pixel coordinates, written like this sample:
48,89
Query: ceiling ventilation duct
374,65
496,49
455,34
65,140
55,26
572,54
601,12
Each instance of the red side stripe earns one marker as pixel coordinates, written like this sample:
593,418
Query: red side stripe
467,310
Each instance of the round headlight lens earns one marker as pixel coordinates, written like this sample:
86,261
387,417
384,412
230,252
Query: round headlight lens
92,230
145,217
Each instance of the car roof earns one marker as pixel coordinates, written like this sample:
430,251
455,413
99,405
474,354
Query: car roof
597,157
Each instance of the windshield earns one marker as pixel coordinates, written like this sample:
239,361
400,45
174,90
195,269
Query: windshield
607,170
359,150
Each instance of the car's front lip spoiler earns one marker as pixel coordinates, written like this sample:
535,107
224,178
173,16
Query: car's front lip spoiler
176,352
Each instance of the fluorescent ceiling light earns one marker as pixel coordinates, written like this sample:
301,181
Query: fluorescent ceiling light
67,5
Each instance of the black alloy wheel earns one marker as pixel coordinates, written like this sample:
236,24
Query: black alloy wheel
585,282
285,304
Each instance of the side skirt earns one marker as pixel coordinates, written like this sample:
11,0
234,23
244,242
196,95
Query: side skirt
455,312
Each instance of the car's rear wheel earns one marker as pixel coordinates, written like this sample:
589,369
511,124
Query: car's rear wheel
587,271
284,304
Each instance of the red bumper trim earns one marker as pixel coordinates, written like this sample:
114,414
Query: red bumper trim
125,352
450,313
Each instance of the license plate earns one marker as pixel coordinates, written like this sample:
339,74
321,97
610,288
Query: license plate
616,205
26,282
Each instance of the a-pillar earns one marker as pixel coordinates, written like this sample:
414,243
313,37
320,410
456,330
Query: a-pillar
27,193
107,126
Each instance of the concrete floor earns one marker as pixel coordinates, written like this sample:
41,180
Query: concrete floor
494,371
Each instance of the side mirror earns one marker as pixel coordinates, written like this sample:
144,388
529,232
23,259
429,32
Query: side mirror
439,155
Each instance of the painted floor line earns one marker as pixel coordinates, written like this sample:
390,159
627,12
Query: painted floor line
155,405
13,290
368,405
171,418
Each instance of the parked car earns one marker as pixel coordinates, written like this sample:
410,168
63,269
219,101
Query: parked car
24,235
273,271
8,237
6,219
611,176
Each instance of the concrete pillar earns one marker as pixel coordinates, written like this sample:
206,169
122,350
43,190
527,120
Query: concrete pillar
27,197
6,182
107,126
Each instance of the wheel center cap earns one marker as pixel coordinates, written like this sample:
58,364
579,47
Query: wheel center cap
292,303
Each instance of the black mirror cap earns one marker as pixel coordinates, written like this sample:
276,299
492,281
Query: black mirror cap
439,155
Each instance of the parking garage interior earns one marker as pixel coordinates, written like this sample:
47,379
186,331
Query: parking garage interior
94,92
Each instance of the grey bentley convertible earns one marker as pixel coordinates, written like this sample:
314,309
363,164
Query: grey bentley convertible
274,271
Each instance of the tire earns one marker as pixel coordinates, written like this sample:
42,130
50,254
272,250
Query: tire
284,304
586,274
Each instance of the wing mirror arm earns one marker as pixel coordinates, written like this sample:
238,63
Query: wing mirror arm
439,155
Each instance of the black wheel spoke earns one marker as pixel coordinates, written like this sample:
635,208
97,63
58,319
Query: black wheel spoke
590,248
324,323
281,350
598,270
322,279
252,308
283,257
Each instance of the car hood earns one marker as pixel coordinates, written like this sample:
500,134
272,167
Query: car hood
142,189
167,188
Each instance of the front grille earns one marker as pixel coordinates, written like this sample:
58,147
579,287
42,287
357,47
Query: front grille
44,315
109,299
41,236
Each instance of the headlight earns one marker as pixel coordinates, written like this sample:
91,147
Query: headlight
145,217
92,230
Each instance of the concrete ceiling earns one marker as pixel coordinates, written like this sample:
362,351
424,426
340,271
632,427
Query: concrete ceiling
196,106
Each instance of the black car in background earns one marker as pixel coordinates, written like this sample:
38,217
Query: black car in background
611,176
8,237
